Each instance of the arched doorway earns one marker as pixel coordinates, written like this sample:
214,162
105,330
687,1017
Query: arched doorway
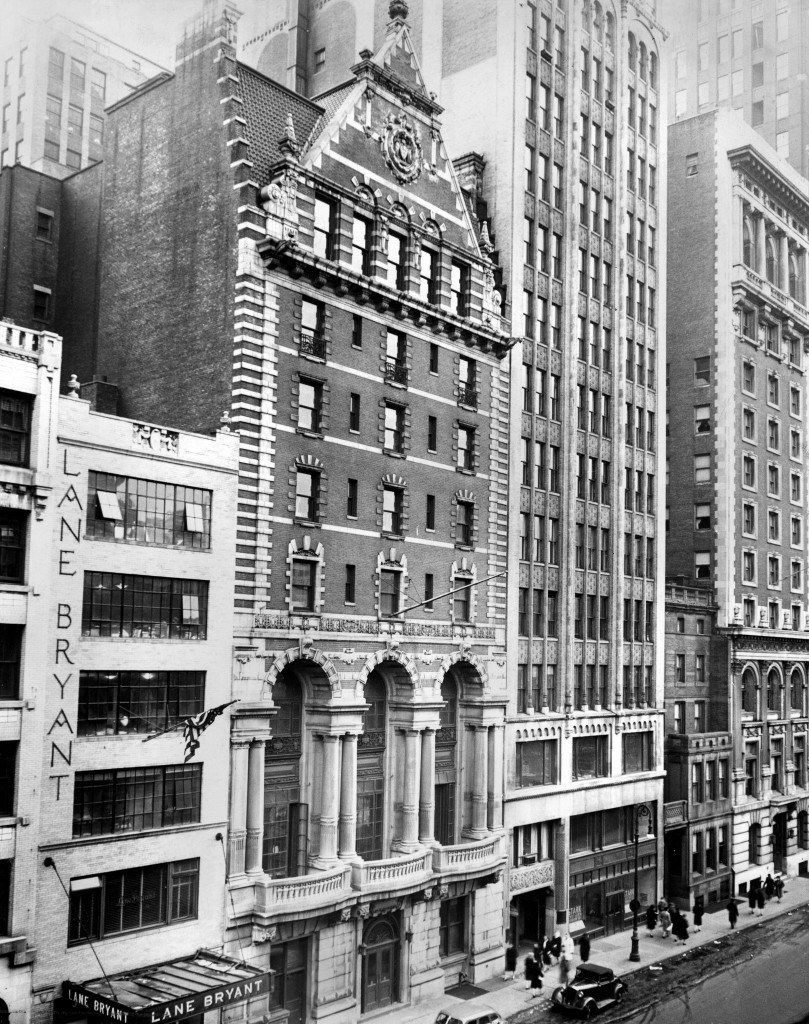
380,964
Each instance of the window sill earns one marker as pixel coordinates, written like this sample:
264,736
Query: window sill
309,433
393,454
306,522
130,542
466,471
392,536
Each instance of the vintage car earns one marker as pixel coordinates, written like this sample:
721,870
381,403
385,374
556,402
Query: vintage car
469,1015
592,989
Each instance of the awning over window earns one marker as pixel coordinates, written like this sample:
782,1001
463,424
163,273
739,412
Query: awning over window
169,992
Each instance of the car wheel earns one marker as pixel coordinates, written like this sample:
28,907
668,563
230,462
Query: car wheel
619,995
587,1013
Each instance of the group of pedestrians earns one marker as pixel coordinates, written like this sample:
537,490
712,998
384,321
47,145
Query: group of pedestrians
558,949
671,921
757,898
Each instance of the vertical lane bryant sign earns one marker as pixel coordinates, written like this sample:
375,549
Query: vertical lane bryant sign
189,1005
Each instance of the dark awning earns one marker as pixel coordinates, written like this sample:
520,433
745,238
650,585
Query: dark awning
170,991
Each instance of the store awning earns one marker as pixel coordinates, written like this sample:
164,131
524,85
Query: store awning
170,991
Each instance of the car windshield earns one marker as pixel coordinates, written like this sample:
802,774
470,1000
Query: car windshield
591,978
444,1018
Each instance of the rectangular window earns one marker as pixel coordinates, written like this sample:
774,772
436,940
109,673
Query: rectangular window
350,584
465,523
117,703
589,757
117,605
312,342
42,303
537,763
466,448
638,752
352,498
396,371
452,930
462,599
10,656
702,469
302,586
427,275
12,545
361,245
131,900
78,71
394,428
136,799
98,85
353,413
307,494
429,590
392,507
395,261
323,230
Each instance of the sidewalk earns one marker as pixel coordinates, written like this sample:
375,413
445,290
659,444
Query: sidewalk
508,997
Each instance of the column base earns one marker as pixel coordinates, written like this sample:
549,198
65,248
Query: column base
324,863
402,847
350,858
475,833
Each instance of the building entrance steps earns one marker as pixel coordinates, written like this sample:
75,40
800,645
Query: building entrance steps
509,997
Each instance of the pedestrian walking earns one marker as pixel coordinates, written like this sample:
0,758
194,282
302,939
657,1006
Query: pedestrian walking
584,948
556,946
760,902
733,912
530,970
779,887
665,923
751,901
698,912
546,952
769,886
682,928
536,980
511,962
651,920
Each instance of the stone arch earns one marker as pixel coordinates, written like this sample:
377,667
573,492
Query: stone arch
469,658
389,654
304,652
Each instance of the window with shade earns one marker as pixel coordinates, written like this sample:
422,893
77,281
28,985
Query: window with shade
323,241
361,245
15,428
118,605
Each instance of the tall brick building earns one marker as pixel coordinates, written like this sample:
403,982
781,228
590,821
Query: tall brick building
737,460
116,578
574,154
749,56
311,269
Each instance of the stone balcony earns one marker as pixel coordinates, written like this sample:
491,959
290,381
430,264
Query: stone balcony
763,289
393,875
675,814
19,338
468,858
319,891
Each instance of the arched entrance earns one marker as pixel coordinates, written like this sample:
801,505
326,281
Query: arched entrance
380,963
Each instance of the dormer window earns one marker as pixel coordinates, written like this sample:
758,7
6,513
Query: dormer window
361,245
427,275
458,288
395,265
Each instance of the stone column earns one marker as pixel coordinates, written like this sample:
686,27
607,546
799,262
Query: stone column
561,878
738,227
329,800
480,783
238,807
783,259
761,246
427,790
255,807
410,793
348,799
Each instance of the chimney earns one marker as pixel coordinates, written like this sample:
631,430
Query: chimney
214,26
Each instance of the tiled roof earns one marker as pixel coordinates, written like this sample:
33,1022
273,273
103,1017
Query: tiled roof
330,102
266,105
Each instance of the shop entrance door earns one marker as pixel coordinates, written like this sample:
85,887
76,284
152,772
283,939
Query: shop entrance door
380,959
614,916
532,916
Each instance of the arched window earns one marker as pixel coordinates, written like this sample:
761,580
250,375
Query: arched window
749,692
652,70
642,66
773,687
286,819
753,843
598,24
796,280
796,691
371,771
446,763
772,260
633,53
749,244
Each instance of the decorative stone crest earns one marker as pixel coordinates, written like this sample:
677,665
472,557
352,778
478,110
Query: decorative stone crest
157,438
401,147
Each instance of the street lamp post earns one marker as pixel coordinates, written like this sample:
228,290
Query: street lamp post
641,811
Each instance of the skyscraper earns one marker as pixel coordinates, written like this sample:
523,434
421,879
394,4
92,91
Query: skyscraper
748,55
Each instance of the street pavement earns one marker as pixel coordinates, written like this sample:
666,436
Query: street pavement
510,997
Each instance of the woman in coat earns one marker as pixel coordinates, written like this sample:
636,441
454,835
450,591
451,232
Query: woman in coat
733,913
511,962
751,900
680,924
779,888
769,886
698,912
584,948
530,970
760,900
536,979
665,922
651,920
